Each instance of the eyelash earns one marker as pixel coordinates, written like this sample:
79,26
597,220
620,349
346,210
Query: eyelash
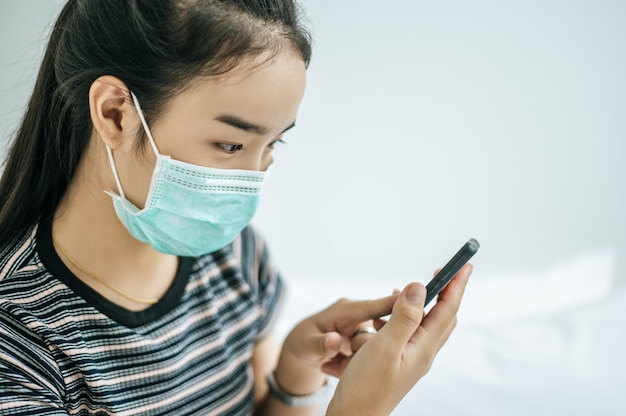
274,143
234,148
230,148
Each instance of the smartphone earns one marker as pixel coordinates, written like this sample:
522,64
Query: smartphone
448,271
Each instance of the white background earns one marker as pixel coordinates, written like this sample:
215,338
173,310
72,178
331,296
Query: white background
426,123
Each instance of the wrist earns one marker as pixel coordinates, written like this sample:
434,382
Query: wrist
278,392
298,378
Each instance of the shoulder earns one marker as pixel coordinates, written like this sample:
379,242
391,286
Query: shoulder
23,284
248,245
250,237
28,291
250,250
17,256
255,261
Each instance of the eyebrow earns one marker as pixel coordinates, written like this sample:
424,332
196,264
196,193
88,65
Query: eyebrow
247,126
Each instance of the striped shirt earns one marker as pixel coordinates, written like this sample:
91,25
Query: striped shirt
64,349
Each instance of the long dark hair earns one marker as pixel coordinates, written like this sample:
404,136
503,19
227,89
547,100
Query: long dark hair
156,47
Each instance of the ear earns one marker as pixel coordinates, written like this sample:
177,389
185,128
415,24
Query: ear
113,115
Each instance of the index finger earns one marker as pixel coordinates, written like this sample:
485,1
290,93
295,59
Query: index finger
352,313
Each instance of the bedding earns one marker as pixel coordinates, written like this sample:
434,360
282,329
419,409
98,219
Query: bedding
537,342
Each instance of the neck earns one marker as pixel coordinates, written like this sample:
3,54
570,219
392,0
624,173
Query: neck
86,227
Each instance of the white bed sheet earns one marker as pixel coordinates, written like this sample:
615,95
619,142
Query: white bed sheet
545,342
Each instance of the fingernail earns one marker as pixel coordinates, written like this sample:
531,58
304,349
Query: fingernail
414,294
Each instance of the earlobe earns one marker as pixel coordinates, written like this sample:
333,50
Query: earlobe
112,114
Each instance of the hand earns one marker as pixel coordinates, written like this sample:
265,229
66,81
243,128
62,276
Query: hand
392,361
325,342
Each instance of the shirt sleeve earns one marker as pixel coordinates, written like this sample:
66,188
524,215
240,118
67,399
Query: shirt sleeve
29,380
264,278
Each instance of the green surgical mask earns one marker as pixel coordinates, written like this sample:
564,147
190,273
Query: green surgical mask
190,210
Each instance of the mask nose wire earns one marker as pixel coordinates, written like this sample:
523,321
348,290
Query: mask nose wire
150,139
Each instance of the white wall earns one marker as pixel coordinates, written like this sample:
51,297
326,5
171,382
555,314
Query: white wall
428,122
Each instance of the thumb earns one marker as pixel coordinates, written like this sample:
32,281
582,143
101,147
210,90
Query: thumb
406,315
328,344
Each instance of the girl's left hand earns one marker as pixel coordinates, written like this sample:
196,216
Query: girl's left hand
327,340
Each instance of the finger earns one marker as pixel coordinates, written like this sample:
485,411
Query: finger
336,366
358,341
406,316
446,334
364,329
455,289
438,339
379,323
361,336
328,345
355,312
443,314
429,348
372,309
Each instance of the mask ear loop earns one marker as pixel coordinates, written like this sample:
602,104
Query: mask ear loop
115,175
145,124
150,139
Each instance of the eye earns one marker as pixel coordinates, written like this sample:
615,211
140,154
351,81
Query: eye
273,144
230,148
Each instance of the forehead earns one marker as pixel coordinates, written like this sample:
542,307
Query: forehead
267,92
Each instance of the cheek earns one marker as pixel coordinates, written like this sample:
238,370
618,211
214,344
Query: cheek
135,173
267,162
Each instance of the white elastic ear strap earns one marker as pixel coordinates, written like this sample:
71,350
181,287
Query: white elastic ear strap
151,139
115,175
145,124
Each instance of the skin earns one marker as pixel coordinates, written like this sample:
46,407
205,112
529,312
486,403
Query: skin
389,364
234,122
189,131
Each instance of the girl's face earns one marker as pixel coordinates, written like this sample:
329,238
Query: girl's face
233,122
230,122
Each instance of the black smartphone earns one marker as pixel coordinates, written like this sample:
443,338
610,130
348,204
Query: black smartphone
448,271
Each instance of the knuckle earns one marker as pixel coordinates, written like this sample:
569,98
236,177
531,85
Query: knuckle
342,301
411,316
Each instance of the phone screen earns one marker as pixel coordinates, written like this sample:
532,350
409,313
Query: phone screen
451,268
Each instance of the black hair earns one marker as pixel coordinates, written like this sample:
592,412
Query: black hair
157,48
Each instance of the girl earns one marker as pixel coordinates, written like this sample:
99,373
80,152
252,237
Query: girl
130,280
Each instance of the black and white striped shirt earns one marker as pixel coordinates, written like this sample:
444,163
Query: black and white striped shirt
64,349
